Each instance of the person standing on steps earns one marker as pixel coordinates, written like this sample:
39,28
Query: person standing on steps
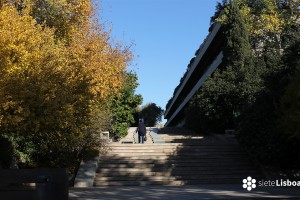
141,130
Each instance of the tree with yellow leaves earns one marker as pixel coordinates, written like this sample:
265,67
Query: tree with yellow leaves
266,20
57,68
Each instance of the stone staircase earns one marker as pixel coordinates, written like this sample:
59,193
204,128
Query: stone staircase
182,159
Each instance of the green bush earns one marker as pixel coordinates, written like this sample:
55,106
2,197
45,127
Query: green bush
6,152
123,106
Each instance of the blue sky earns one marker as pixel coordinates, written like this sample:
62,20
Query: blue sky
166,34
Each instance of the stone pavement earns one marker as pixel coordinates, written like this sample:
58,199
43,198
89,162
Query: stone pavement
190,192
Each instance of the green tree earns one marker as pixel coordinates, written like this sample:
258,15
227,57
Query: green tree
264,126
257,86
288,112
289,107
151,113
232,87
123,106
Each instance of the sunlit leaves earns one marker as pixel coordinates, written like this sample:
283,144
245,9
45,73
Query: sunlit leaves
261,16
123,106
58,67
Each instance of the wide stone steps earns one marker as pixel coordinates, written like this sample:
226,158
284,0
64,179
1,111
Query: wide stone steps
187,173
172,149
190,161
189,181
198,172
181,154
182,157
106,170
214,179
167,181
170,163
158,176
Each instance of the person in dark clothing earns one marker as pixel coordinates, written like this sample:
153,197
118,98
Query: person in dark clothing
141,130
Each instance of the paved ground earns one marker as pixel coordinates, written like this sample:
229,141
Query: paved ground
191,192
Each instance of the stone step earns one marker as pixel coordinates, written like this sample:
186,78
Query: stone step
175,157
184,151
153,145
174,149
207,162
181,154
193,175
184,160
217,151
176,171
136,178
136,183
211,162
193,166
178,175
168,145
169,150
173,176
174,165
214,180
177,150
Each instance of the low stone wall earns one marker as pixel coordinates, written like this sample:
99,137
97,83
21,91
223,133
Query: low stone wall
86,173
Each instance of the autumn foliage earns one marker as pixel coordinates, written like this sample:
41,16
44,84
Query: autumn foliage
57,67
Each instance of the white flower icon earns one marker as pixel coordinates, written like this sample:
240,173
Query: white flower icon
249,183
